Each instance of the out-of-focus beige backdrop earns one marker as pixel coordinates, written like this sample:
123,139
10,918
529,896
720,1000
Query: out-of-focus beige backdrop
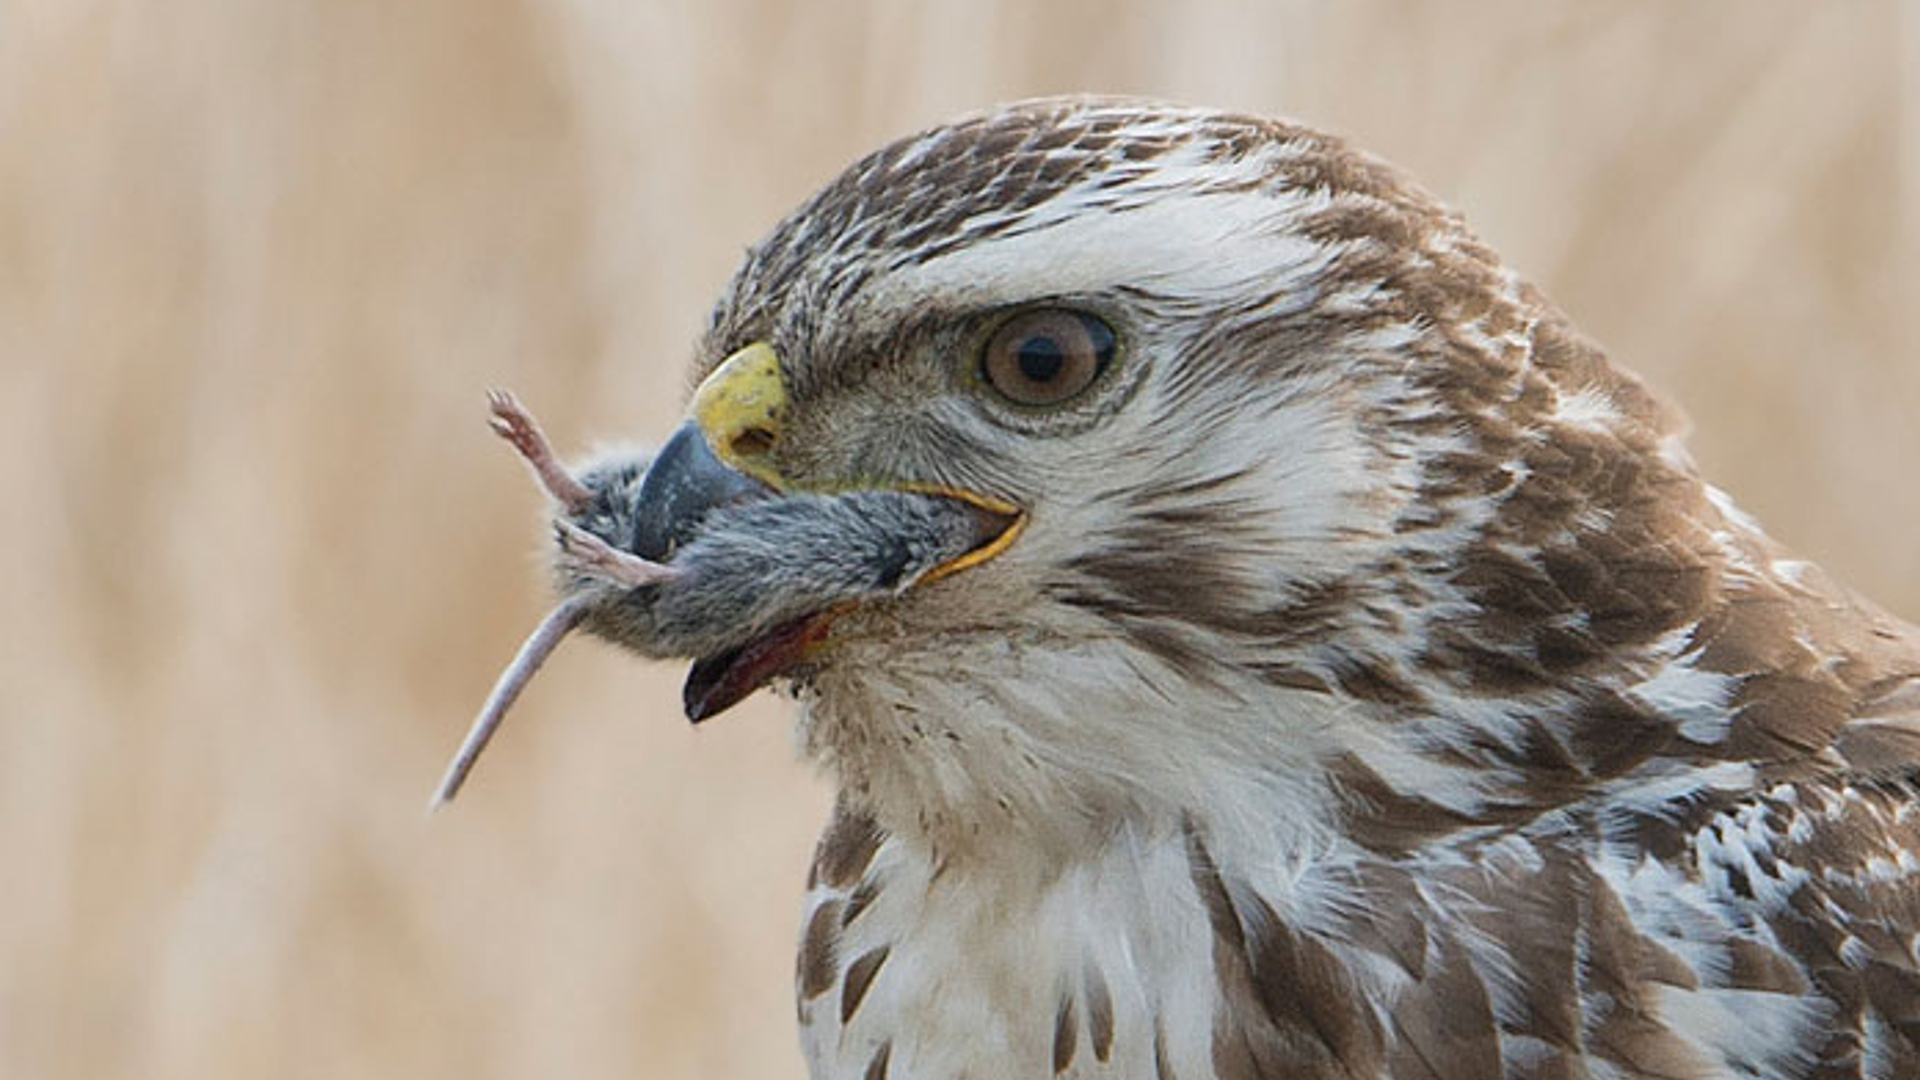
261,559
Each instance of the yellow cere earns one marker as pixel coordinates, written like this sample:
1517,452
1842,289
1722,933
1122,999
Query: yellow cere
740,407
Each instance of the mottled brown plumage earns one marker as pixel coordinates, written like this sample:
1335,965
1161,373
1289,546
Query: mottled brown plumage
1375,690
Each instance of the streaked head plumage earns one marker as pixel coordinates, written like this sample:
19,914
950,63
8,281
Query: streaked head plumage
1328,397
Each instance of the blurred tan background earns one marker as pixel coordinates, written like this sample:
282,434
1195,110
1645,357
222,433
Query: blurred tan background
258,261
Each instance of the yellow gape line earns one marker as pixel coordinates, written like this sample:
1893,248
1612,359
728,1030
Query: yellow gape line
740,407
1016,517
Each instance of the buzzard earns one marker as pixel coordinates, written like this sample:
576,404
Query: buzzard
1254,635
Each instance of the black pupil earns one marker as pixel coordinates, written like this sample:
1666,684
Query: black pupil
1041,359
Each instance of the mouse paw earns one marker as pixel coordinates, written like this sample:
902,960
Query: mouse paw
585,555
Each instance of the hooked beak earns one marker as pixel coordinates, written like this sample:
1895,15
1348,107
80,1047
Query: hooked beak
724,454
718,456
685,483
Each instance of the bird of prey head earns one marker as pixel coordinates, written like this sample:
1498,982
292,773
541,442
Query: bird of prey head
1252,632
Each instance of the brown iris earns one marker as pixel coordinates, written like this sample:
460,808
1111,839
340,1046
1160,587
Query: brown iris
1046,356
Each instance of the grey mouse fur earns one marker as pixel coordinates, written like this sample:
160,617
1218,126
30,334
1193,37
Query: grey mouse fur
757,565
747,569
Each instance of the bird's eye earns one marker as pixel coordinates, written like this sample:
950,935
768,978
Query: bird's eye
1045,357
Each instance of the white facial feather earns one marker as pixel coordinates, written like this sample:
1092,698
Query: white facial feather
1204,245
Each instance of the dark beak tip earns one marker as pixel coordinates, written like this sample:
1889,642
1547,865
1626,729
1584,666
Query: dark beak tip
685,482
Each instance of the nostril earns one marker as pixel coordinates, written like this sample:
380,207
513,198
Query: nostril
753,442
